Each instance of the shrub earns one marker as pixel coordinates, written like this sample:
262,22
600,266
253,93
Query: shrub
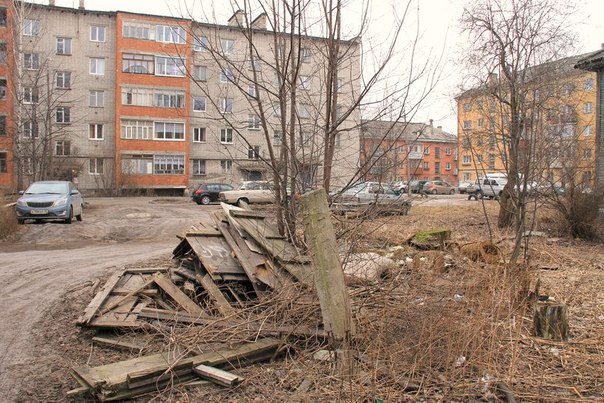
8,221
579,212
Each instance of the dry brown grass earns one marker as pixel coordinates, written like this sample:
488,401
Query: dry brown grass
8,221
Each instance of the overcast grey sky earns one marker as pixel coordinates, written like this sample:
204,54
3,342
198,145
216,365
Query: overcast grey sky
437,25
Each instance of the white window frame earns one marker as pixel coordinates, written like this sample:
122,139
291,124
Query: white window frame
96,166
169,99
136,129
587,107
137,97
201,101
63,115
226,105
227,46
304,111
97,33
467,159
251,90
226,75
96,131
305,82
587,130
178,135
31,27
30,129
173,164
253,152
31,61
97,66
199,135
96,98
170,66
64,46
170,34
135,30
63,79
226,166
200,43
200,73
305,55
226,135
588,85
198,167
30,95
447,166
253,122
64,146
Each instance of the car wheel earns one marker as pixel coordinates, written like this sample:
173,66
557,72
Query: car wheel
452,192
205,200
79,216
434,191
69,219
243,200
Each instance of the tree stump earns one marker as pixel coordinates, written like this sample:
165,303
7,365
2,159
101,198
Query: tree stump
550,321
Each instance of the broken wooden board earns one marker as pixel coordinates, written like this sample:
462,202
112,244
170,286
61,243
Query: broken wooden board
218,376
177,295
213,251
99,299
220,302
114,381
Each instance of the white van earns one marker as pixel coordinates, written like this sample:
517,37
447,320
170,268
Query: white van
491,185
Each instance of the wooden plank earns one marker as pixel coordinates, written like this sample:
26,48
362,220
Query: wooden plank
111,323
245,259
218,376
146,270
121,300
328,273
122,345
99,298
124,291
110,382
215,254
213,291
177,295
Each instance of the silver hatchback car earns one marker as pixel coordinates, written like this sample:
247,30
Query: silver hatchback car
50,200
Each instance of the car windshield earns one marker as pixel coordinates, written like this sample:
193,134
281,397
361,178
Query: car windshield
47,188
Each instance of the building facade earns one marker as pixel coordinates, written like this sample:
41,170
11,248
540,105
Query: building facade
392,151
120,101
558,124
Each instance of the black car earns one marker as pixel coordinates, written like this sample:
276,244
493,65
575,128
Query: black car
208,192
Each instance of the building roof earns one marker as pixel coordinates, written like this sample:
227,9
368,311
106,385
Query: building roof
592,62
407,131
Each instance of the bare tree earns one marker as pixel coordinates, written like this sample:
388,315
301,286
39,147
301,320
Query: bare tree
309,89
507,39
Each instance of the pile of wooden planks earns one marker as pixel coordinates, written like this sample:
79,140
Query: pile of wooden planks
221,269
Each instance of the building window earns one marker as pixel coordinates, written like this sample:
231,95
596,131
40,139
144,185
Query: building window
226,166
467,159
303,111
226,136
253,152
253,122
137,96
63,79
467,124
251,90
168,164
587,130
199,104
97,33
567,89
30,129
448,166
305,55
3,162
305,82
199,134
448,151
170,34
587,107
97,66
427,150
256,64
492,141
62,147
2,17
96,131
305,138
467,107
227,46
63,46
138,64
426,165
3,88
175,99
135,30
169,66
63,114
2,125
436,152
97,98
137,164
277,138
492,161
31,27
479,158
480,123
437,167
338,142
200,43
137,129
226,75
95,166
588,85
587,153
199,167
226,105
200,73
169,131
3,53
30,95
31,61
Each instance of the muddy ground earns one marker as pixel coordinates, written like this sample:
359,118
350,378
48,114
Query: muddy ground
47,272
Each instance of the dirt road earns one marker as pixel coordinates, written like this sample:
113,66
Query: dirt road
47,259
